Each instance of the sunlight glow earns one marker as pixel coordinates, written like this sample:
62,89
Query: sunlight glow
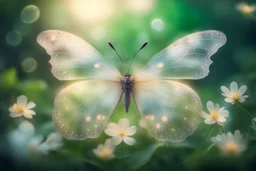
140,6
91,10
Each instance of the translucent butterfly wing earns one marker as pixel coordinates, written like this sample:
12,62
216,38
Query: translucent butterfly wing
73,58
82,109
187,58
171,110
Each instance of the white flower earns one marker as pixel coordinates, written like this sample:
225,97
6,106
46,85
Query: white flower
52,143
105,151
234,94
217,114
230,144
22,108
121,132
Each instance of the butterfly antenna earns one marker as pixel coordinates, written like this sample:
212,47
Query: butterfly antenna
144,45
112,46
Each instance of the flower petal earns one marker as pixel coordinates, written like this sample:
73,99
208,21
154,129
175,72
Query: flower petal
229,100
123,123
225,90
221,119
30,105
116,140
14,115
131,130
31,112
242,89
111,131
209,121
233,87
22,100
241,99
224,113
210,106
12,109
205,115
129,140
27,115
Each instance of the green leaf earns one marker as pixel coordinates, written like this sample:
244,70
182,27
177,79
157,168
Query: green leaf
8,79
141,157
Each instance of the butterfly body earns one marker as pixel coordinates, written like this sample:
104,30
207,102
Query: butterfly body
127,84
170,109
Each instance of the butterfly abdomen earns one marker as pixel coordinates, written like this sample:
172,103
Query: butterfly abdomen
127,86
127,99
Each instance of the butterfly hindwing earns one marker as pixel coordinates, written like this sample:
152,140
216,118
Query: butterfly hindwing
171,110
187,58
82,109
73,58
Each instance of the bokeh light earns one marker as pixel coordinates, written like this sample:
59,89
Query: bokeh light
157,24
30,14
29,64
13,38
245,8
93,11
140,6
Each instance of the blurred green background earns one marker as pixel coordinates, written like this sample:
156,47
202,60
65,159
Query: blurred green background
24,69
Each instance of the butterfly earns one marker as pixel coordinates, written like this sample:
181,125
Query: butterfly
170,109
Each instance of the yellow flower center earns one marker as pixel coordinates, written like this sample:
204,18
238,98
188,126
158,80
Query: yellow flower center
106,152
122,133
214,115
235,95
232,147
18,108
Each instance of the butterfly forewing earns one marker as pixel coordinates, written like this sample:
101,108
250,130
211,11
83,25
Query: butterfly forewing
73,58
171,110
82,109
187,58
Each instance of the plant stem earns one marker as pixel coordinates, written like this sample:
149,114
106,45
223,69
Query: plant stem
239,104
205,140
122,154
222,129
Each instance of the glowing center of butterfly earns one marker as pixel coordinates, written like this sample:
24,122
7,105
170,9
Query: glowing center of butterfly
232,147
247,9
235,95
122,133
214,115
106,152
96,65
18,108
160,65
